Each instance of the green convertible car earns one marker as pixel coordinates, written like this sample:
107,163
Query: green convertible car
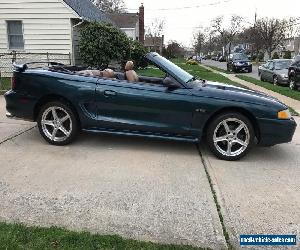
229,119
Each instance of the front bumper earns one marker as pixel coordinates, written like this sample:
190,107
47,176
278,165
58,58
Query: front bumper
275,131
243,67
283,81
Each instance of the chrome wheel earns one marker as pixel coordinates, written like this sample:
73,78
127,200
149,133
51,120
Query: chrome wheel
231,137
56,124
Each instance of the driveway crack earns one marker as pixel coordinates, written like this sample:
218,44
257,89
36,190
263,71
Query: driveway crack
221,217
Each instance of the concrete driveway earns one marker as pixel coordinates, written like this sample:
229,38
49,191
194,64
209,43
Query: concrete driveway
223,65
145,189
148,190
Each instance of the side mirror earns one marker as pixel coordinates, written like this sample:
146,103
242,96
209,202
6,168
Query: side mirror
170,83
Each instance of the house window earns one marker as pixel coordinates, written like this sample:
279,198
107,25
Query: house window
15,35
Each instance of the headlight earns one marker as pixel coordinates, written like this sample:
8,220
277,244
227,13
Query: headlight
284,115
283,75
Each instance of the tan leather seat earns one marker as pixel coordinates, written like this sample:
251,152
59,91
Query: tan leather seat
131,75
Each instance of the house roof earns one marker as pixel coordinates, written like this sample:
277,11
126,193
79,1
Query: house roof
153,41
87,10
125,20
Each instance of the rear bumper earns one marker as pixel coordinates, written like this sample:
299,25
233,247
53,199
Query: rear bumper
19,106
273,131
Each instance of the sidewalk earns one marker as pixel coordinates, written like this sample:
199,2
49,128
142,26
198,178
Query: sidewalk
287,100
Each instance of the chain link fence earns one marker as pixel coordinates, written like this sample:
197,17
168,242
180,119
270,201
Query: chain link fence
7,59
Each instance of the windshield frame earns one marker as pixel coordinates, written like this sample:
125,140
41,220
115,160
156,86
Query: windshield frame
171,68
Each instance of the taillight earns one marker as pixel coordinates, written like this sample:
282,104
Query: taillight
13,83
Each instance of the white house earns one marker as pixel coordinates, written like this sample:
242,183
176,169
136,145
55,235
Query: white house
45,26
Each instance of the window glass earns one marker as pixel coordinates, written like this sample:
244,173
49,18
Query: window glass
15,35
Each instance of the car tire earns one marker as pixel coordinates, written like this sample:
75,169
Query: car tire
275,80
230,136
57,123
292,83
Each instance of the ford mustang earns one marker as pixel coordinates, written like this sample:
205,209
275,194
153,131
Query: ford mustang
229,119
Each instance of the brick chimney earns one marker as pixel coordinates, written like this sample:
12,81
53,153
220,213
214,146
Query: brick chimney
142,24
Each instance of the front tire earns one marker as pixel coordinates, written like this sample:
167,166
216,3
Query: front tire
275,80
292,83
230,136
57,123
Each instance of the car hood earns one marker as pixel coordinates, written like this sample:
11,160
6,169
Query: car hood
281,71
230,92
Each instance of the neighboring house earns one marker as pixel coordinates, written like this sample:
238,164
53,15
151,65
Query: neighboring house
131,23
40,26
153,43
289,44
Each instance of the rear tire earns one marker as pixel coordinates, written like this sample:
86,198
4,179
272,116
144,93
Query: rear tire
230,136
57,123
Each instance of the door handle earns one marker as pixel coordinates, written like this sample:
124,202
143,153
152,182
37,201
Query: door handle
108,93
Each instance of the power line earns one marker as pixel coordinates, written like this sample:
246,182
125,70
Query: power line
189,7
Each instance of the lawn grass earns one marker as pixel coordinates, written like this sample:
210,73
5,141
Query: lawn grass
195,70
219,69
279,89
5,83
16,236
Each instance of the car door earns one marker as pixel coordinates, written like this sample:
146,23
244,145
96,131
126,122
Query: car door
143,107
268,74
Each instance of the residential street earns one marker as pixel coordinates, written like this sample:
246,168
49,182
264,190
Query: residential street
147,189
222,65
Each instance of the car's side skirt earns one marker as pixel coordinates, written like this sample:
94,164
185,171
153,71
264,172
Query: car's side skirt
145,134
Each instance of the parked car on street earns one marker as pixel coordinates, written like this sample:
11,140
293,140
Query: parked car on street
276,71
231,120
262,66
294,75
238,62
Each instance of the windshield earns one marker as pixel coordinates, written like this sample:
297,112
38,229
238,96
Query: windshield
283,64
240,57
174,70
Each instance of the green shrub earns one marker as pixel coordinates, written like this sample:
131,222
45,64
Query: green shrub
191,62
287,55
101,43
275,56
137,53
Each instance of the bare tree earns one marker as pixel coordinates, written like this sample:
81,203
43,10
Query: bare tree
234,29
293,27
271,32
227,34
110,6
155,31
198,41
217,25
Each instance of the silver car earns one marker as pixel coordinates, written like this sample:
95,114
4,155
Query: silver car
276,71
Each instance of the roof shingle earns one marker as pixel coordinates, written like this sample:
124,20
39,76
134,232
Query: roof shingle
125,20
87,10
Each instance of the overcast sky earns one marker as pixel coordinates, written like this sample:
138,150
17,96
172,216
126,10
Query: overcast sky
183,17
